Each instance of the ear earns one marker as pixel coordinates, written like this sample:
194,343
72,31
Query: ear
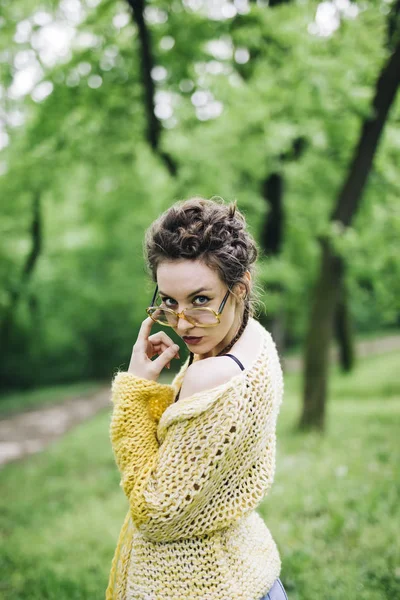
241,290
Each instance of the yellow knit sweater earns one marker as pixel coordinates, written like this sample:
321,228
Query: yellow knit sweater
194,472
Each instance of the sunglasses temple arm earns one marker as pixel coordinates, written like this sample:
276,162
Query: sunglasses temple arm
154,297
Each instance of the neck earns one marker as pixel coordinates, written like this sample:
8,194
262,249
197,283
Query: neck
232,336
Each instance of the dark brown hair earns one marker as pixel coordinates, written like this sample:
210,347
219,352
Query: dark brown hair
208,230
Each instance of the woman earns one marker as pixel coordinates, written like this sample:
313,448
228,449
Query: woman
196,457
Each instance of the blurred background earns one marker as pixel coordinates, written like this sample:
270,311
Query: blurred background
110,111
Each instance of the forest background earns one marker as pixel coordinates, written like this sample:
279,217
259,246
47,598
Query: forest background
111,111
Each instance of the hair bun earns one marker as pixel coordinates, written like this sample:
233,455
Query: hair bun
211,231
232,209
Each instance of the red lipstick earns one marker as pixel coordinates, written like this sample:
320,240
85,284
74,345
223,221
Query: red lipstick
192,340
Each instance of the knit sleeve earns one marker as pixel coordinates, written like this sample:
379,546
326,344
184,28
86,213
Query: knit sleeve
137,406
215,462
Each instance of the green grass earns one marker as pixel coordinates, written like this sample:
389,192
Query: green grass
333,509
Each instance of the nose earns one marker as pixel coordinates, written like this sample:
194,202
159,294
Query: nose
184,327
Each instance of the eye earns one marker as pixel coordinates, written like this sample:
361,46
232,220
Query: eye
172,303
164,301
204,297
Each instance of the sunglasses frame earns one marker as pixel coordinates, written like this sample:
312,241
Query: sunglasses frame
181,315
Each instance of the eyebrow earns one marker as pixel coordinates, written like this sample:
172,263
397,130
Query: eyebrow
193,293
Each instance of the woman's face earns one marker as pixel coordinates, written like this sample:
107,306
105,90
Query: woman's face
177,280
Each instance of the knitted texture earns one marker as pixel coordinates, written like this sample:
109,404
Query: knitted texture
194,472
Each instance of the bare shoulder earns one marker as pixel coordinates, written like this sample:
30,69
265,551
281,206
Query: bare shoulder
206,374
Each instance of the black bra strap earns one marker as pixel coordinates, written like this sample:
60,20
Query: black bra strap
235,359
231,356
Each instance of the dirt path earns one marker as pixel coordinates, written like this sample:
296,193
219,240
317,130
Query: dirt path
31,431
381,345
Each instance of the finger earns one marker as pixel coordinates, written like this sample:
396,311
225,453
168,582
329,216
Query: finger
161,346
161,336
157,348
164,358
143,335
161,339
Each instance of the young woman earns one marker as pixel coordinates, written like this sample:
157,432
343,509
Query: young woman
197,457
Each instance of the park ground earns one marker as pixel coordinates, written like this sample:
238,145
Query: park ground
333,508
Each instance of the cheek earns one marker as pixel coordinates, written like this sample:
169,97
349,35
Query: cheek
224,327
228,318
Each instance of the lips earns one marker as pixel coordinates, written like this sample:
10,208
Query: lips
192,340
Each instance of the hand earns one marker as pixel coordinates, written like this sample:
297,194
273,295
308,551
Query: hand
146,347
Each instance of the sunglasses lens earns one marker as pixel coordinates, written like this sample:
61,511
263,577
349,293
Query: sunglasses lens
196,316
165,317
201,316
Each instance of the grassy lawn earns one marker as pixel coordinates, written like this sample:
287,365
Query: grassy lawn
334,507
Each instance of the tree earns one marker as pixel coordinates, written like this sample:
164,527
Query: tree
330,279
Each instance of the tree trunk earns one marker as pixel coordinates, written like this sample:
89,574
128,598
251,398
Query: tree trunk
343,331
154,126
327,291
26,274
329,281
272,232
271,241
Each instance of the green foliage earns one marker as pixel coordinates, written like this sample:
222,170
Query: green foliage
84,152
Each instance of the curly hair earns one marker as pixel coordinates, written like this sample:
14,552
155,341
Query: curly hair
208,230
